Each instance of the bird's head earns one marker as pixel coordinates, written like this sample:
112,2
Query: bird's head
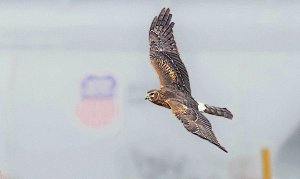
152,95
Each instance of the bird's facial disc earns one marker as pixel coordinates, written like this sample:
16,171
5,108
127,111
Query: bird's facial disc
152,96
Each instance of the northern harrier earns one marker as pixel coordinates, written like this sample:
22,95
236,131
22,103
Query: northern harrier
175,92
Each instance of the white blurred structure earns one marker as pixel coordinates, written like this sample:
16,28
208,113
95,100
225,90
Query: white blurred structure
240,54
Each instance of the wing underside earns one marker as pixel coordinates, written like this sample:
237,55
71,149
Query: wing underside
164,55
194,122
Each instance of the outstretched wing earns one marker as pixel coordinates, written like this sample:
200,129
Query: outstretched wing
194,122
164,55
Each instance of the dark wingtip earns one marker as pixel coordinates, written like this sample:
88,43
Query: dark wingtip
223,149
153,24
228,114
164,8
162,12
220,147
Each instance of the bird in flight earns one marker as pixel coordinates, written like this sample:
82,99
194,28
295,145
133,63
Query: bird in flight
175,91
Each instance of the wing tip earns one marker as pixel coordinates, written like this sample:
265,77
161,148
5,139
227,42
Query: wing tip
228,114
163,20
153,24
164,9
219,145
164,17
223,148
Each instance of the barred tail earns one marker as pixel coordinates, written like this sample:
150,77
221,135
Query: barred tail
218,111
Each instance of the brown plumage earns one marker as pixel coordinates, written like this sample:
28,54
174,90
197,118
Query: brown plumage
175,91
164,55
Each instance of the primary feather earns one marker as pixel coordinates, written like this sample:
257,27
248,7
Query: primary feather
164,54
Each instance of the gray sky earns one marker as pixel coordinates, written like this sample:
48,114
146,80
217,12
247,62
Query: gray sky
242,55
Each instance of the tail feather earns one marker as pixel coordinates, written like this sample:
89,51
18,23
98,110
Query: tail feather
218,111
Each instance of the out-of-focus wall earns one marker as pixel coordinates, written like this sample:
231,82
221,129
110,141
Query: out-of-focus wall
73,75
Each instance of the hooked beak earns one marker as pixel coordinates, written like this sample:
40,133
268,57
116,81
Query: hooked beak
146,97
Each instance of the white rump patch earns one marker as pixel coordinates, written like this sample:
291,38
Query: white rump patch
201,106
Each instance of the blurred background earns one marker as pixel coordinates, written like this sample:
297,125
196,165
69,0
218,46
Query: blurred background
73,76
